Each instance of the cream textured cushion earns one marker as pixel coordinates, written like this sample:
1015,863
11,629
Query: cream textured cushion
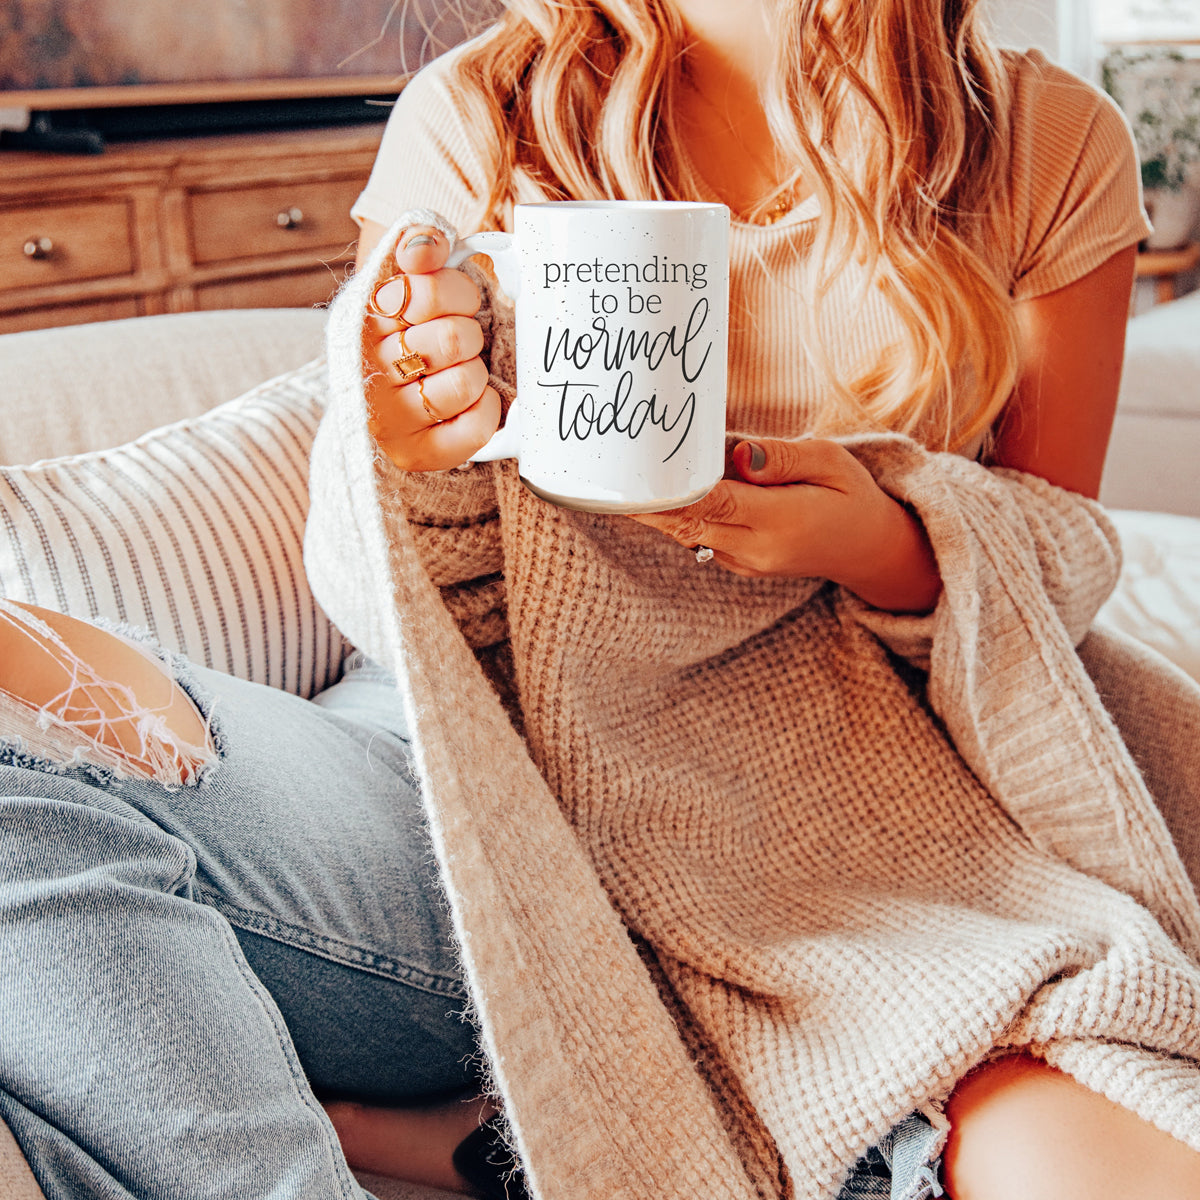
193,531
85,387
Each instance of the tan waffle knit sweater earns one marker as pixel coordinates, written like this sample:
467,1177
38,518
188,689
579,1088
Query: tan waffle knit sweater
735,903
740,889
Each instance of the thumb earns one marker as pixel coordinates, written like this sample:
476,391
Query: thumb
768,461
421,250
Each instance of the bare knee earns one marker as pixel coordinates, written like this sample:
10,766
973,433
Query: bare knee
91,693
1021,1128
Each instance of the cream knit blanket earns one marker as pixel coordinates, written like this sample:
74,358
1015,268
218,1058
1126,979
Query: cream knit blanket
741,888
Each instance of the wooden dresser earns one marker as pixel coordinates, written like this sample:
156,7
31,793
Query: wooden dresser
250,220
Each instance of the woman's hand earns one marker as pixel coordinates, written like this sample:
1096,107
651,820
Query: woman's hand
441,419
809,508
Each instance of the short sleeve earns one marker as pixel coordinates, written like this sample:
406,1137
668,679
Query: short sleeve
1076,189
426,159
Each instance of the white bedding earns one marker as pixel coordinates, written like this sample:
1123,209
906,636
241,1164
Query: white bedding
1158,597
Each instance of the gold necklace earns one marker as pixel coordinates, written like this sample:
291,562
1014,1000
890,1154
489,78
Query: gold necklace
778,210
783,204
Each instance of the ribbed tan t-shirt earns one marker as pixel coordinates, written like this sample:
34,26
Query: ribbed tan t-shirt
1075,197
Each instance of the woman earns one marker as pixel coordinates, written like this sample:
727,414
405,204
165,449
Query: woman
972,196
584,1049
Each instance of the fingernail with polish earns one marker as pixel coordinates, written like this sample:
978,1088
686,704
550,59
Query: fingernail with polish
758,456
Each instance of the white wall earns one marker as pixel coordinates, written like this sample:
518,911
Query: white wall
1060,29
1027,23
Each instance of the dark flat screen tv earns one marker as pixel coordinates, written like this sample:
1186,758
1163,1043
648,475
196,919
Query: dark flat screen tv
74,73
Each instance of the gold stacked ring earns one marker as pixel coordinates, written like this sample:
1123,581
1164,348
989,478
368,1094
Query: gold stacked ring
426,405
398,315
410,364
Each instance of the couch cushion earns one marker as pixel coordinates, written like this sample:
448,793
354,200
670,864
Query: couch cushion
85,387
1162,360
194,531
1155,443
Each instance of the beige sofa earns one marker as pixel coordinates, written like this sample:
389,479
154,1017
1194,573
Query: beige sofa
66,392
1155,449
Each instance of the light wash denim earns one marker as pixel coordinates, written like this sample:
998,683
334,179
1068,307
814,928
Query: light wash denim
183,971
905,1164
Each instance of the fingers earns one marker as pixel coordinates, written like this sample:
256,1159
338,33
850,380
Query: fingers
430,403
422,289
731,509
436,447
420,298
442,343
443,396
454,441
738,518
802,509
716,520
399,418
455,376
735,521
402,411
804,460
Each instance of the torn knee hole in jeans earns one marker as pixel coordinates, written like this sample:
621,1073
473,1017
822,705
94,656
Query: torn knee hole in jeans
91,720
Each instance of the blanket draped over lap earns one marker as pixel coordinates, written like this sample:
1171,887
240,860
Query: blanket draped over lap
745,871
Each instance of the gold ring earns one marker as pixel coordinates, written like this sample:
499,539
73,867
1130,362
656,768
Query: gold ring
426,405
398,315
410,364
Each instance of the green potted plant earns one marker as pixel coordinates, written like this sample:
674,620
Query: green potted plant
1158,89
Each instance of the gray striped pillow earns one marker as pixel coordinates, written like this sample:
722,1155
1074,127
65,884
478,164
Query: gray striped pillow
193,531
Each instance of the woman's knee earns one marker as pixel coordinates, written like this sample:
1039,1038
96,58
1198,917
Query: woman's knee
73,691
1022,1128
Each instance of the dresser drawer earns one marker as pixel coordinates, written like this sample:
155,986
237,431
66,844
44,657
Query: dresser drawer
68,314
310,288
252,222
66,243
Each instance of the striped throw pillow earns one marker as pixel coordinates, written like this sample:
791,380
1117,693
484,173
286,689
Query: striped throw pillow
194,531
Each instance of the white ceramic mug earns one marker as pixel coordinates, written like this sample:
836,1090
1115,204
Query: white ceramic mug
622,315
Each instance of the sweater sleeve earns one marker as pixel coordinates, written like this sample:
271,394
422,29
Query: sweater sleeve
452,515
1025,565
1050,543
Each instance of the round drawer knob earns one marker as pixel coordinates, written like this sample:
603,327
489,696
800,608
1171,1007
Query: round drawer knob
38,247
290,218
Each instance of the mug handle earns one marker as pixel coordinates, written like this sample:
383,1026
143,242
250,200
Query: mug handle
502,250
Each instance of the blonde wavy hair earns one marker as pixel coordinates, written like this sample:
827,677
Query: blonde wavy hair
893,111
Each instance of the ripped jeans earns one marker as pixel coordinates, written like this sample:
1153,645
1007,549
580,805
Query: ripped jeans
184,968
190,957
